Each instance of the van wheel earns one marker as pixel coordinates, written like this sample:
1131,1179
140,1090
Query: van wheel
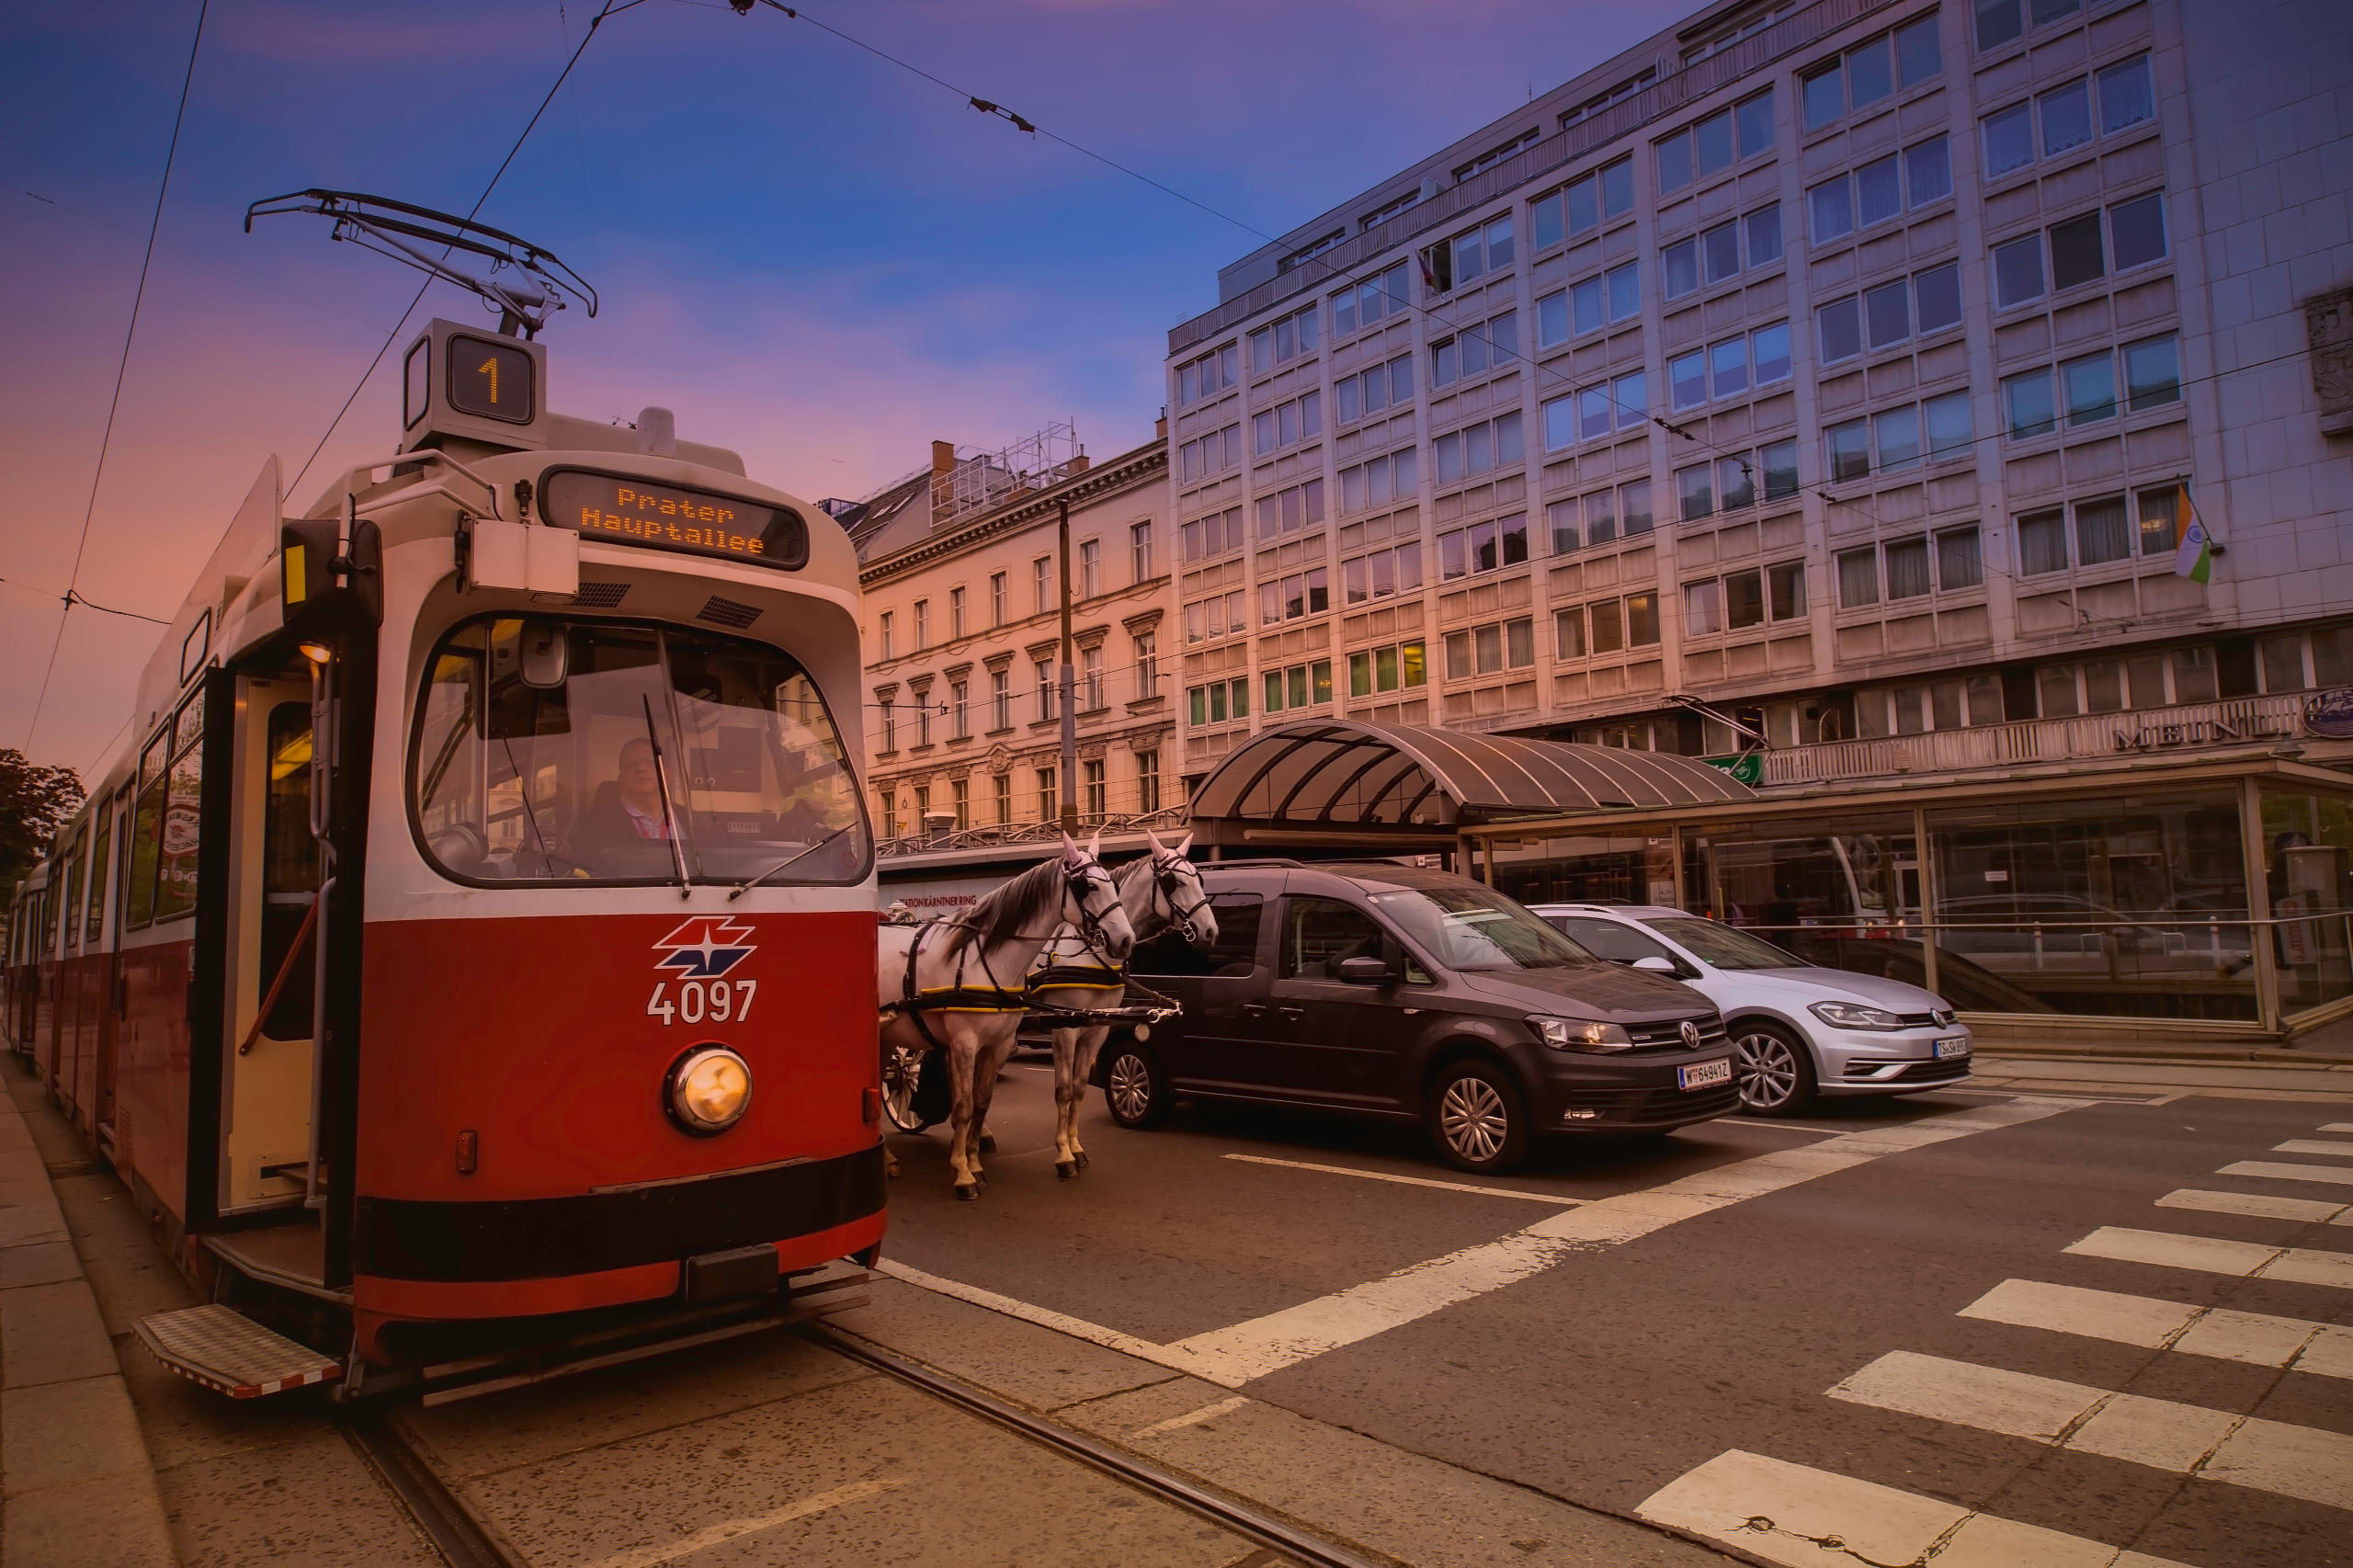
1478,1121
1134,1089
1775,1070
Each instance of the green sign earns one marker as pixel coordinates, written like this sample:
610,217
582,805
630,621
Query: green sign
1748,767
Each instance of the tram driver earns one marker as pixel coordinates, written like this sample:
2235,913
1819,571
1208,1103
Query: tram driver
630,808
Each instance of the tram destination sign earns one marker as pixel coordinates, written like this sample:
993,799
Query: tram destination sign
625,510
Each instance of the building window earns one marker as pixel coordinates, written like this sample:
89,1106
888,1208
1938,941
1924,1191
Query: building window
1730,369
1370,301
2136,236
1616,625
1286,424
1703,609
1593,414
1589,305
1214,617
1090,663
1381,214
2102,532
996,599
2043,543
1468,256
2085,389
1478,449
1147,781
1715,143
1483,547
1300,686
1871,70
960,708
887,808
1879,191
1494,156
2152,372
1485,650
1047,807
1377,576
923,716
1600,517
1493,343
1372,391
2000,21
1000,699
1212,453
1279,343
1048,690
955,613
1891,442
1370,483
1207,376
1097,791
1785,590
961,795
1219,700
1289,511
1002,786
1090,568
1212,535
1960,560
1042,584
1713,255
1583,206
1300,594
1140,551
1147,645
1858,578
923,624
1375,670
890,724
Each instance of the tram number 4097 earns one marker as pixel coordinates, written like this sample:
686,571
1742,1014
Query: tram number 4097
716,1000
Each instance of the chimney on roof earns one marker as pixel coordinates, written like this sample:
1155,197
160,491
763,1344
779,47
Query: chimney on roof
1076,465
943,457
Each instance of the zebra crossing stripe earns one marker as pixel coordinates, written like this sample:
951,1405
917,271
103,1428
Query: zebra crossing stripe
2213,1255
2336,1127
1803,1518
2186,1439
2274,1170
2254,1339
2311,1146
2260,1205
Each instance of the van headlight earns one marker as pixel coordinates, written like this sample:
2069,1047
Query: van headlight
708,1089
1575,1034
1855,1016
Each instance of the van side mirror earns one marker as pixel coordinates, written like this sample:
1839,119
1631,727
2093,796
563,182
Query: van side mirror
1365,971
1653,964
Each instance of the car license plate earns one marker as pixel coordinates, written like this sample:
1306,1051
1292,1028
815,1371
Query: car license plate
1950,1048
1703,1075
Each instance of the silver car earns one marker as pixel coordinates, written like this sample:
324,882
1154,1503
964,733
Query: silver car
1799,1031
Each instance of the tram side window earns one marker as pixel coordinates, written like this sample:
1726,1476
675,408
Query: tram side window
146,828
175,862
554,752
101,843
72,860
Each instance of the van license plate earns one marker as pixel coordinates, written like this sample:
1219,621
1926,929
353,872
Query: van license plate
1703,1075
1950,1048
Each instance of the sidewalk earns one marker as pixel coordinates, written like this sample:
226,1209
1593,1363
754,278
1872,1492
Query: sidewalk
2159,1069
76,1487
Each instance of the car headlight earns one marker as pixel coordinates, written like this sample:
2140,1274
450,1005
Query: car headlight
1575,1034
708,1089
1855,1016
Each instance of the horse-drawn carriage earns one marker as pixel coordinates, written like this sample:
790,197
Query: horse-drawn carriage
1061,933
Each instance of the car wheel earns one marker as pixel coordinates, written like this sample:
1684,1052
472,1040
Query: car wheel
1775,1070
1134,1089
1477,1120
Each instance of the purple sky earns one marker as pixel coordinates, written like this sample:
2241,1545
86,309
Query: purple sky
811,256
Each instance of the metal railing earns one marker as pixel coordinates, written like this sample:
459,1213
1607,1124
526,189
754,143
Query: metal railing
1168,819
2245,719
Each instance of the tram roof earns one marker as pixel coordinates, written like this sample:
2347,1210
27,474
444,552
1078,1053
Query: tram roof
1370,783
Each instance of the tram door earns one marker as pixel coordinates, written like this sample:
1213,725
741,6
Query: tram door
269,1061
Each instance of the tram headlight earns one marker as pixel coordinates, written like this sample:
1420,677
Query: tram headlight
708,1089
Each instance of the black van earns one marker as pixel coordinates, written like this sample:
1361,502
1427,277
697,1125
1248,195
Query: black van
1387,991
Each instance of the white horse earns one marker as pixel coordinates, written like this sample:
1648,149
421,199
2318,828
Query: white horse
1161,890
957,987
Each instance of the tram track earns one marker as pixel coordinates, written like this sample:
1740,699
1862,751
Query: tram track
463,1540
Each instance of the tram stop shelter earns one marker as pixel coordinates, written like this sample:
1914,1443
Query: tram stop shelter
2182,897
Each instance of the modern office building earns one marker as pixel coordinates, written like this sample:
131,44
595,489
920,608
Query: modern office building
962,577
1839,383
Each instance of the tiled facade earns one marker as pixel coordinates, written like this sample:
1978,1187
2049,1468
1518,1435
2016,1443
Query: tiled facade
962,632
1850,379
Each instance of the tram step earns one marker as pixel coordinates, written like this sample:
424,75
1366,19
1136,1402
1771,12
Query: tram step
227,1351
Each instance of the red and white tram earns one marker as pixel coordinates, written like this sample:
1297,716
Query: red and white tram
479,926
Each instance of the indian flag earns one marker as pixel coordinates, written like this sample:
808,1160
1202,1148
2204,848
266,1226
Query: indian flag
2193,559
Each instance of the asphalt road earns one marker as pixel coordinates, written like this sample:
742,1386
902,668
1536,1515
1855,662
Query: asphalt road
1867,1326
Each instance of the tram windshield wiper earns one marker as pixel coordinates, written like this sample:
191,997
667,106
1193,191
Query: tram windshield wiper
669,813
792,859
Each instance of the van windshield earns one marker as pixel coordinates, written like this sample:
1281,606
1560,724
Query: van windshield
549,751
1470,927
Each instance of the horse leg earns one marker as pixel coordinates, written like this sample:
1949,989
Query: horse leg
962,1049
1090,1044
992,1046
1065,1142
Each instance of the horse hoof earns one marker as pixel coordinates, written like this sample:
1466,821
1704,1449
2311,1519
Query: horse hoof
1065,1168
968,1194
1082,1160
988,1143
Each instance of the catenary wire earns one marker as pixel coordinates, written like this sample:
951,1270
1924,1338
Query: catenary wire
611,9
123,367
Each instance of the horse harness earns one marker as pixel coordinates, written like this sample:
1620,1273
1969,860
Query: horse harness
995,997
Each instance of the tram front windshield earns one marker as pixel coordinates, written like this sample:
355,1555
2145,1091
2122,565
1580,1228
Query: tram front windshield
568,752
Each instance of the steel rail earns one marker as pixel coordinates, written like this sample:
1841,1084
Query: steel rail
446,1523
1310,1550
